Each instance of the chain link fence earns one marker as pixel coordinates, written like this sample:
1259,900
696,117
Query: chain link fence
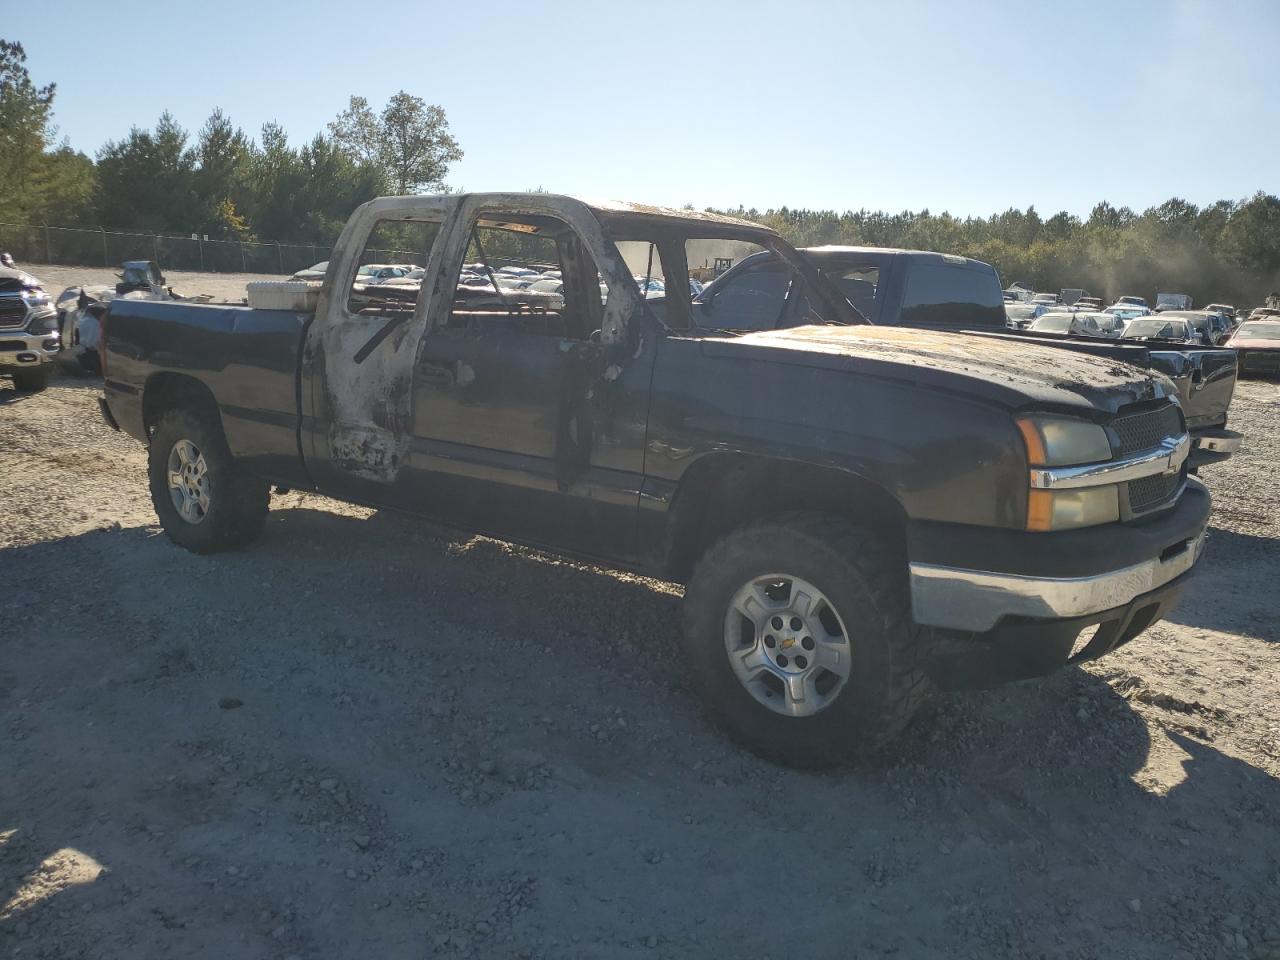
78,246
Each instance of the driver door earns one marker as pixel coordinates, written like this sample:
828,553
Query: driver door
357,367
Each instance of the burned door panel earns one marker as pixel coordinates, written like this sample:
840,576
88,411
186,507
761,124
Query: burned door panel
359,356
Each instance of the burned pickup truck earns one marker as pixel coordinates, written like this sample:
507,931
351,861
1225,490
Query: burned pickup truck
858,514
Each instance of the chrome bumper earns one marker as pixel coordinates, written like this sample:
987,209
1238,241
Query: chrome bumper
1224,441
18,348
977,600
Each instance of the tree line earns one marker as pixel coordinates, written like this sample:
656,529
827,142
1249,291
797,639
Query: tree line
230,186
220,182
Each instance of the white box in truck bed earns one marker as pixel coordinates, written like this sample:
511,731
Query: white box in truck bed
297,295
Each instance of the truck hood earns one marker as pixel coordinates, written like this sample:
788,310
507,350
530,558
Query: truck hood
1252,343
1013,375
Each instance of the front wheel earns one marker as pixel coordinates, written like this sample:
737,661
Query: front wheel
31,380
205,501
800,636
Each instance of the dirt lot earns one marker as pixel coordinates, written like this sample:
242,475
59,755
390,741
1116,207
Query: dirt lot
219,286
364,737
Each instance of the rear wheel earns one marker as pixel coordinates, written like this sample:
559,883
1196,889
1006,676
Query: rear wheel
205,501
31,380
800,635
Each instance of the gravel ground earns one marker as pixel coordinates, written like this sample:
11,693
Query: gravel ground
364,737
186,283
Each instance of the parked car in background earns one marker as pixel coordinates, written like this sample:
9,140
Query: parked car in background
314,272
1020,315
1127,312
1054,322
1048,299
375,273
1261,312
29,338
1109,324
1131,301
1172,301
651,288
1090,303
1212,328
1078,323
1226,309
1257,346
1171,329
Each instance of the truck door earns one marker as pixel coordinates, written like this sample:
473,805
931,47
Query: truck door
531,384
357,367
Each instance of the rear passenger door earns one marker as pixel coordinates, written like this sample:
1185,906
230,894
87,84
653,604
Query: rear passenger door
525,425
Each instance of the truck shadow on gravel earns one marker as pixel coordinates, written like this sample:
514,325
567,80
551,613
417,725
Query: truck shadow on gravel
1220,597
367,737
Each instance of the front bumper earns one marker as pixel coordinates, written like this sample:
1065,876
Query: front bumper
18,348
1213,446
973,578
1020,649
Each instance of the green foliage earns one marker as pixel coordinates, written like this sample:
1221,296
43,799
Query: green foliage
39,183
409,141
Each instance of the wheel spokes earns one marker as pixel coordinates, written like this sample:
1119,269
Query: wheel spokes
787,644
799,693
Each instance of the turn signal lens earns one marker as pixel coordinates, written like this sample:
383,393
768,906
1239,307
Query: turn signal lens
1068,509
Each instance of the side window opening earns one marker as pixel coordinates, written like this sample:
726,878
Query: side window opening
947,295
858,282
528,273
391,268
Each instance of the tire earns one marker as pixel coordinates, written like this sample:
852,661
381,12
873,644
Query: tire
862,580
232,507
31,380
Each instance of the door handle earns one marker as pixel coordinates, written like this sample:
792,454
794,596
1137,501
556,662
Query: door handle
435,373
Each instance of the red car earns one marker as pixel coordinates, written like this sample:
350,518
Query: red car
1257,346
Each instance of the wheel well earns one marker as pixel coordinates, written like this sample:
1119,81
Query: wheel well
166,391
725,491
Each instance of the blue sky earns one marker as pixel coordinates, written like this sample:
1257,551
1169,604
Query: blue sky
969,107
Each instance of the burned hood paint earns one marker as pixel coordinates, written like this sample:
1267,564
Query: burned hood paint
1011,374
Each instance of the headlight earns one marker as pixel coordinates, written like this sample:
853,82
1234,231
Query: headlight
1063,442
42,324
1067,509
1060,442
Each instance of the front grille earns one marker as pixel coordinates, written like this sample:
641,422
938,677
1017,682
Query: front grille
1145,430
1150,491
12,312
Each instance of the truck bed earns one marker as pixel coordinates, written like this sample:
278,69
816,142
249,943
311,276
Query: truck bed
248,358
